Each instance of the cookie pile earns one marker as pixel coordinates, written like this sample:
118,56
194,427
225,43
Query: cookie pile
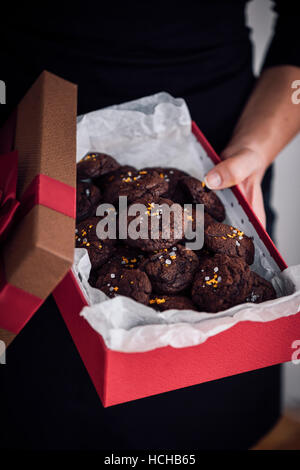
162,272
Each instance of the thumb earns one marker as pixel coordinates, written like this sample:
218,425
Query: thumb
235,169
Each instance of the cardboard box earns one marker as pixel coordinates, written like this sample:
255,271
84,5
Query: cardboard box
39,250
120,377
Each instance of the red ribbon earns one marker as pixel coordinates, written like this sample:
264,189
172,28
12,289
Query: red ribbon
17,305
43,190
48,192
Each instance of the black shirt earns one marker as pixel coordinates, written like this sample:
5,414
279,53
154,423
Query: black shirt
115,52
119,51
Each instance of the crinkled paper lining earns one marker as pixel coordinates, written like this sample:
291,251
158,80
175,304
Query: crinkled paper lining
156,131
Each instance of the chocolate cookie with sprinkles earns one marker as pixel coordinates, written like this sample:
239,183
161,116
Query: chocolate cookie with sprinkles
113,180
123,257
221,282
87,198
171,176
114,280
135,184
196,191
127,257
171,270
196,220
156,227
170,302
226,239
96,164
86,237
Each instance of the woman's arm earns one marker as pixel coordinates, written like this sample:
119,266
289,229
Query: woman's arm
269,121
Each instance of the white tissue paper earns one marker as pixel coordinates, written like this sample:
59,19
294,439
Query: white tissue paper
156,131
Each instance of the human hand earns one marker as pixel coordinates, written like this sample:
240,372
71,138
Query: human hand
245,167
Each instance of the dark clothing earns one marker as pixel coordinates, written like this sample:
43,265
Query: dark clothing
200,51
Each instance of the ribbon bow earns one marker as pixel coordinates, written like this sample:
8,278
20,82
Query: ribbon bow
8,186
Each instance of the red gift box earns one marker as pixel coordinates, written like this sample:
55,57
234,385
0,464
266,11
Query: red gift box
37,199
120,377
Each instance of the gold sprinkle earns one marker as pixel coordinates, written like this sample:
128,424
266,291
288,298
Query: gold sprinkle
157,301
213,281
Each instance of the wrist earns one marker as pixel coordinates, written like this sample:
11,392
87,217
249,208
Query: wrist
259,146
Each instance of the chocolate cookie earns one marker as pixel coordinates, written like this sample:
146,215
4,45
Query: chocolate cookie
113,280
196,220
113,178
169,229
261,290
223,238
95,164
127,257
171,271
171,176
86,237
197,191
87,198
170,302
221,282
134,184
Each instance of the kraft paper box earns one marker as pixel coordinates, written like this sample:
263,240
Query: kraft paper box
131,351
38,250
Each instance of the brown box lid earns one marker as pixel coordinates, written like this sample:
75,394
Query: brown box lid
40,249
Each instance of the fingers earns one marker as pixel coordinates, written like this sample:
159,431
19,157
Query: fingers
232,171
245,169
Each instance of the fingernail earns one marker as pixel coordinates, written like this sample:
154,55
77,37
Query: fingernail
213,180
